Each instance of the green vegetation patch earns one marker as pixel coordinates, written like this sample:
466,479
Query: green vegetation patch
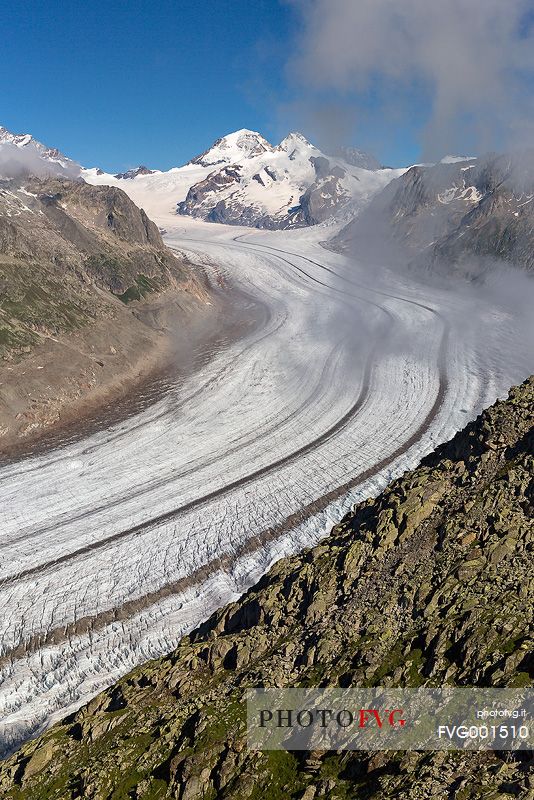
34,303
140,289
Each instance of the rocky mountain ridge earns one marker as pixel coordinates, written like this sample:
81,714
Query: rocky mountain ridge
133,173
74,236
289,185
76,262
458,216
241,179
429,584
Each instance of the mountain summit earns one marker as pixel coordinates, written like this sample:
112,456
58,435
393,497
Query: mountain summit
235,146
32,151
243,179
294,184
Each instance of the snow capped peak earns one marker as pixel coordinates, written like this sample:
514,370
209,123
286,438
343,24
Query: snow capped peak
39,150
18,139
243,179
245,138
234,147
295,141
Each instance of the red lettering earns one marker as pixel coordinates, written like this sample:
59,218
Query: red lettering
367,714
391,717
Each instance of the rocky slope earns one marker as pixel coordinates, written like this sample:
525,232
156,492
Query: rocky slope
428,584
72,258
61,242
459,216
242,179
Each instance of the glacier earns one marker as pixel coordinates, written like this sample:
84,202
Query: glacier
116,545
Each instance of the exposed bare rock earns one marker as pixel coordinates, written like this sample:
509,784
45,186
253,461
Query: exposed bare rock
133,173
72,257
460,217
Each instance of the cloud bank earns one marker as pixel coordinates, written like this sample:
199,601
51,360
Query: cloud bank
472,60
19,162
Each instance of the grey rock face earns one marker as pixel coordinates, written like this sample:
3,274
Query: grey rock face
317,203
133,173
67,250
96,230
197,194
320,201
451,217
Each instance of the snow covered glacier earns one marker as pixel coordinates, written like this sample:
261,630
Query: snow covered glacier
113,546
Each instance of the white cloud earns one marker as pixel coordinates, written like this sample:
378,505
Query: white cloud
473,57
16,162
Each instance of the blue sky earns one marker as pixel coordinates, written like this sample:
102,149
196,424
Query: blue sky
116,84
